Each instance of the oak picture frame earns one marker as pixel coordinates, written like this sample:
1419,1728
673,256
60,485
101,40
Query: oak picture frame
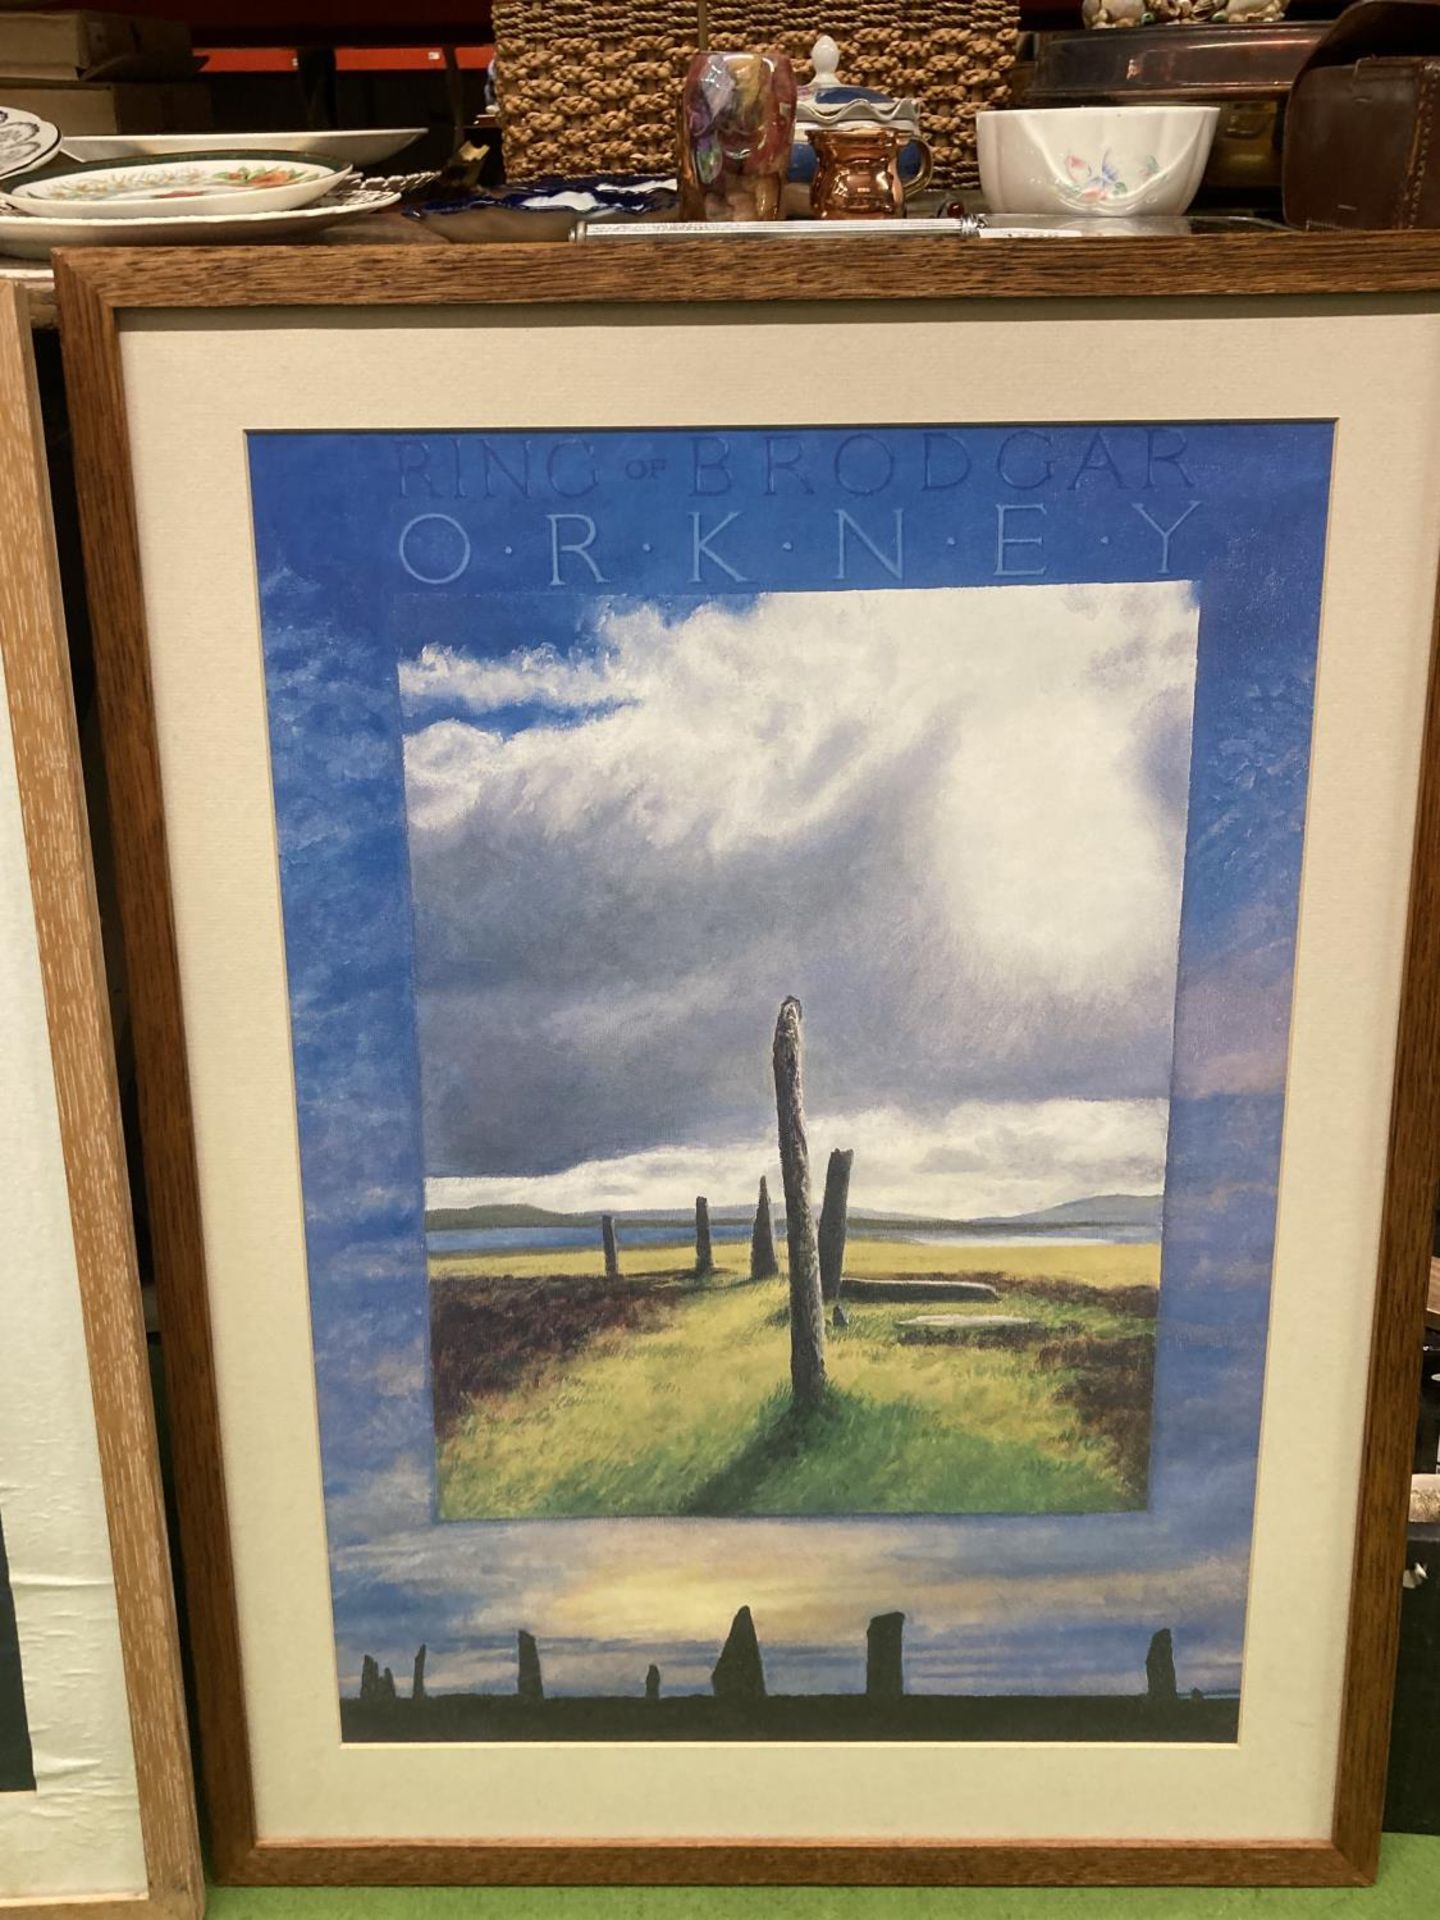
97,292
52,804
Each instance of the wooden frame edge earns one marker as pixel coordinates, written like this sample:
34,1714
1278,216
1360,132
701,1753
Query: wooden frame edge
916,271
92,289
113,588
52,804
1412,1175
698,1863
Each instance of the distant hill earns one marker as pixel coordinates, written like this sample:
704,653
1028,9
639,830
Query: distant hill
448,1219
1100,1210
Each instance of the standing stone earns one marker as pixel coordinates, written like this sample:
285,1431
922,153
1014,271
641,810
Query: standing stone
834,1221
369,1679
607,1237
387,1685
885,1657
652,1682
529,1685
739,1674
763,1264
1160,1669
704,1254
807,1307
417,1684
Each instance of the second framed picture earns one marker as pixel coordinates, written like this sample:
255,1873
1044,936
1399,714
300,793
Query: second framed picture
97,1812
772,980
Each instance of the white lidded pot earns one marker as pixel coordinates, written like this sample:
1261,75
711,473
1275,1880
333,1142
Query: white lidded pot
1105,161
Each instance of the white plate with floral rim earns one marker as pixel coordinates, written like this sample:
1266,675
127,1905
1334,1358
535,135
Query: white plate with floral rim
351,146
26,236
219,183
26,141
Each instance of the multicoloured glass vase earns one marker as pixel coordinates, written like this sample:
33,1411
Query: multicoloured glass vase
737,121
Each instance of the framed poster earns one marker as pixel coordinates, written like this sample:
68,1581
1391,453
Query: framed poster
776,989
96,1809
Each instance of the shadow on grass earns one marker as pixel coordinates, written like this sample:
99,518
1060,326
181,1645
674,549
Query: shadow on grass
783,1432
853,1454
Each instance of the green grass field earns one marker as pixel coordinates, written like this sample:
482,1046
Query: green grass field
685,1409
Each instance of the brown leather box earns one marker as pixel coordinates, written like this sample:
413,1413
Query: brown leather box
1362,132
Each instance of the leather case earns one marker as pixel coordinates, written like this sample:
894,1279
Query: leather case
1362,129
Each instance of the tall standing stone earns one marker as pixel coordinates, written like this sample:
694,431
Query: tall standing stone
807,1307
369,1679
529,1684
607,1240
739,1673
652,1682
885,1657
834,1223
763,1264
387,1685
1160,1669
417,1683
704,1253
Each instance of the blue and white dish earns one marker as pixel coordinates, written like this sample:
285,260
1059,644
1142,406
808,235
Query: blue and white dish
26,141
550,208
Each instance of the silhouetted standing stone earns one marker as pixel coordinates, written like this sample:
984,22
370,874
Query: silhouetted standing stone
652,1682
834,1219
607,1237
738,1673
417,1684
885,1657
369,1679
529,1685
704,1254
1160,1668
387,1685
807,1308
763,1264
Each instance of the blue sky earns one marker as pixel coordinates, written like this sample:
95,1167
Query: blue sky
358,537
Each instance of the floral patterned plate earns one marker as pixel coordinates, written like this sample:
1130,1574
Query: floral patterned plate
216,183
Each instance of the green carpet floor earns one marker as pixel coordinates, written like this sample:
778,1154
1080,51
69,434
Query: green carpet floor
1408,1889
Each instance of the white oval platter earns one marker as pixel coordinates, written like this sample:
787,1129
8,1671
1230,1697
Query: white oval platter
352,146
26,236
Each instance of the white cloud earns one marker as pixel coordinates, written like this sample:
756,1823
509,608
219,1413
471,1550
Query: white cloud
538,674
952,821
1004,1157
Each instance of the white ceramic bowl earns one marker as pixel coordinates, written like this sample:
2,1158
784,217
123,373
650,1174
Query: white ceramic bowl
1104,161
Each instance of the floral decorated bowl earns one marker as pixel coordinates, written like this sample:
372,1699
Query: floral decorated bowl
1105,161
216,183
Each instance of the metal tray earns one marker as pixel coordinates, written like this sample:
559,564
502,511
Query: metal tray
1171,62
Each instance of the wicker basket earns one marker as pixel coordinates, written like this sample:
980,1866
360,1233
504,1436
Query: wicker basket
593,85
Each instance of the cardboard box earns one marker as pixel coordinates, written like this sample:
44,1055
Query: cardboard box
81,46
88,106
